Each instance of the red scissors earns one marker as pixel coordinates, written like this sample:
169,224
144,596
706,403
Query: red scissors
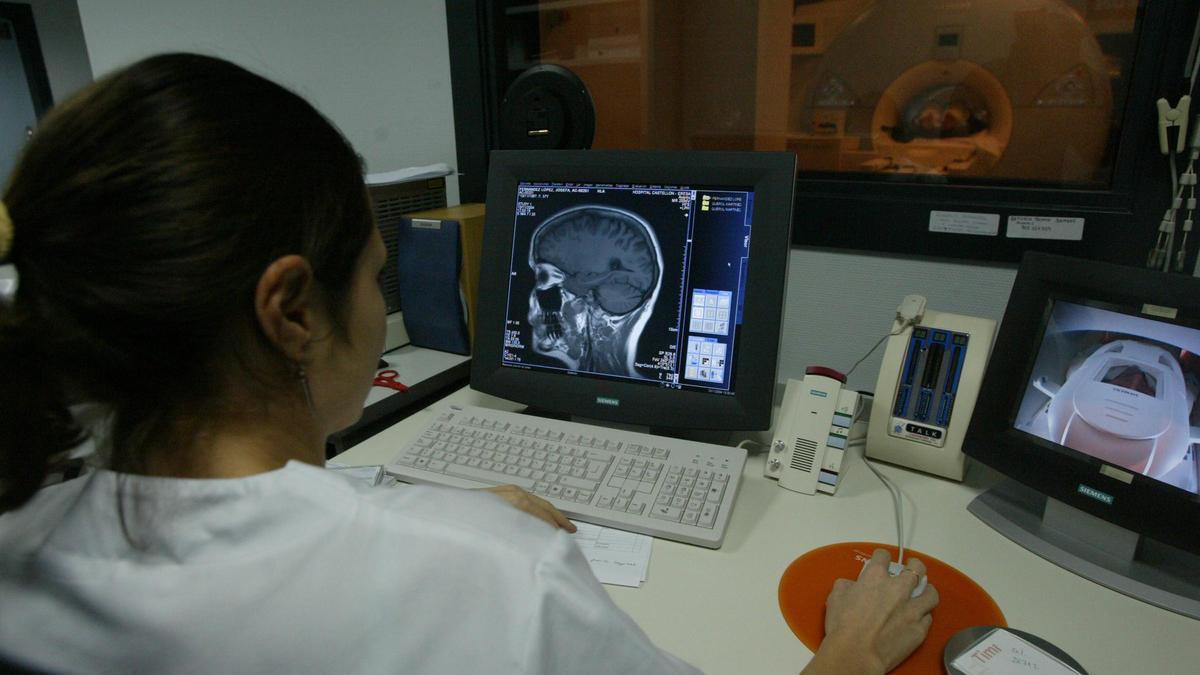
391,379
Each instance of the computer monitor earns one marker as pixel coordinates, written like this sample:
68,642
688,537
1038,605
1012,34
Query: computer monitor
1089,408
642,288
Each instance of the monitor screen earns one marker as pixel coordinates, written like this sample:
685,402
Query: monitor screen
634,283
620,289
1088,408
1117,387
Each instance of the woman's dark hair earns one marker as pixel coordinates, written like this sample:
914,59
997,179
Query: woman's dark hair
145,209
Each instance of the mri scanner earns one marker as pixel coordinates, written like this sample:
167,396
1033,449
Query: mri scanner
999,88
1127,404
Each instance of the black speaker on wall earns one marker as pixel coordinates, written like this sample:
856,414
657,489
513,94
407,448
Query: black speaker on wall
547,108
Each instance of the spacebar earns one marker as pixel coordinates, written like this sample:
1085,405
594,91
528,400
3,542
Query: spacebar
485,476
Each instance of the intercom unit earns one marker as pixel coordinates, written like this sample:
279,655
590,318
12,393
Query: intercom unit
814,426
928,382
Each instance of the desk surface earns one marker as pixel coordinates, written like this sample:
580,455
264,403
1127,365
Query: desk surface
719,609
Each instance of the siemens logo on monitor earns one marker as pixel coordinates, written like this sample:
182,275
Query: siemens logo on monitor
1095,494
604,400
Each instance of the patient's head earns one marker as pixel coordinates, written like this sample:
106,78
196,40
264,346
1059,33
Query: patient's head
145,210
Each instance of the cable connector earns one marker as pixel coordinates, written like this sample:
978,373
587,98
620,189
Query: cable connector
1173,117
911,309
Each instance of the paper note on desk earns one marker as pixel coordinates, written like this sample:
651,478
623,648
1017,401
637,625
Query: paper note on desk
617,557
1003,653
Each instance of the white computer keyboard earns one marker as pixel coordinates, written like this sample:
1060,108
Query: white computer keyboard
659,486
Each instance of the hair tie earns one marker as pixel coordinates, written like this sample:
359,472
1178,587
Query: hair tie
6,232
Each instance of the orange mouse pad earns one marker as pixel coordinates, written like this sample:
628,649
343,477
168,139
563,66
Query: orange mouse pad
807,581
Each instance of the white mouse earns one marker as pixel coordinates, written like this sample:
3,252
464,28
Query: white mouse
895,568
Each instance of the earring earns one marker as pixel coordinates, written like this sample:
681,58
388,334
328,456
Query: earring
303,377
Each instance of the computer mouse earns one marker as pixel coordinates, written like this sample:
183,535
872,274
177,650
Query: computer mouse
895,568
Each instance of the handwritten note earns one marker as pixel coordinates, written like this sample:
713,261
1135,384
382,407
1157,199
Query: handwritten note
616,557
1003,653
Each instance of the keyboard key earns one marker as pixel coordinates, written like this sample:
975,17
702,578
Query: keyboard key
666,512
580,483
690,517
487,476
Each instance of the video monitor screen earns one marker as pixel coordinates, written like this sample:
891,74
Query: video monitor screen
1118,387
638,283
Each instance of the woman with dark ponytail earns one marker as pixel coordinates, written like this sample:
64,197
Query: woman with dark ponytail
197,297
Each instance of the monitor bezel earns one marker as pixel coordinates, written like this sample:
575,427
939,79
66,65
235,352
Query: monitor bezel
771,175
1141,504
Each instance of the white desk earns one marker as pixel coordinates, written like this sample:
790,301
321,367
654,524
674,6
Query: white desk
719,609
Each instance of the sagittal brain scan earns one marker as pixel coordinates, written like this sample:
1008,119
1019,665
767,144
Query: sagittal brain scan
640,283
598,271
1120,388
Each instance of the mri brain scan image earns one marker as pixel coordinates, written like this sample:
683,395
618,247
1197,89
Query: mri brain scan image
598,271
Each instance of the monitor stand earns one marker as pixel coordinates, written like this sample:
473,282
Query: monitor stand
1095,549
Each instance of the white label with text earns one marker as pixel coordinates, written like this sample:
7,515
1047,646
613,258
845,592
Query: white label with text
1003,653
1045,227
962,222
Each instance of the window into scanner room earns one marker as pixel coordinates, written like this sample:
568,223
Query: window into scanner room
1024,91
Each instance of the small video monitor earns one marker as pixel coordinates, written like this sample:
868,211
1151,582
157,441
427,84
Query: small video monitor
1089,407
1118,387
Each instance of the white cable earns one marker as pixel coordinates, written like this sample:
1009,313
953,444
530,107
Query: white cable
904,325
745,445
897,501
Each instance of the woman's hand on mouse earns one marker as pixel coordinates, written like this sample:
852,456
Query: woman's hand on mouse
872,624
533,505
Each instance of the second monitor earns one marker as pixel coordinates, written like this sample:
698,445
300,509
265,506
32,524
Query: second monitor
635,287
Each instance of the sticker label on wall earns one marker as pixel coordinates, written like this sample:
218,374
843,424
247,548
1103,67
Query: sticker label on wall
961,222
1045,227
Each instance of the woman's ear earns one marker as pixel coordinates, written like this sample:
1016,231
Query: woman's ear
285,305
